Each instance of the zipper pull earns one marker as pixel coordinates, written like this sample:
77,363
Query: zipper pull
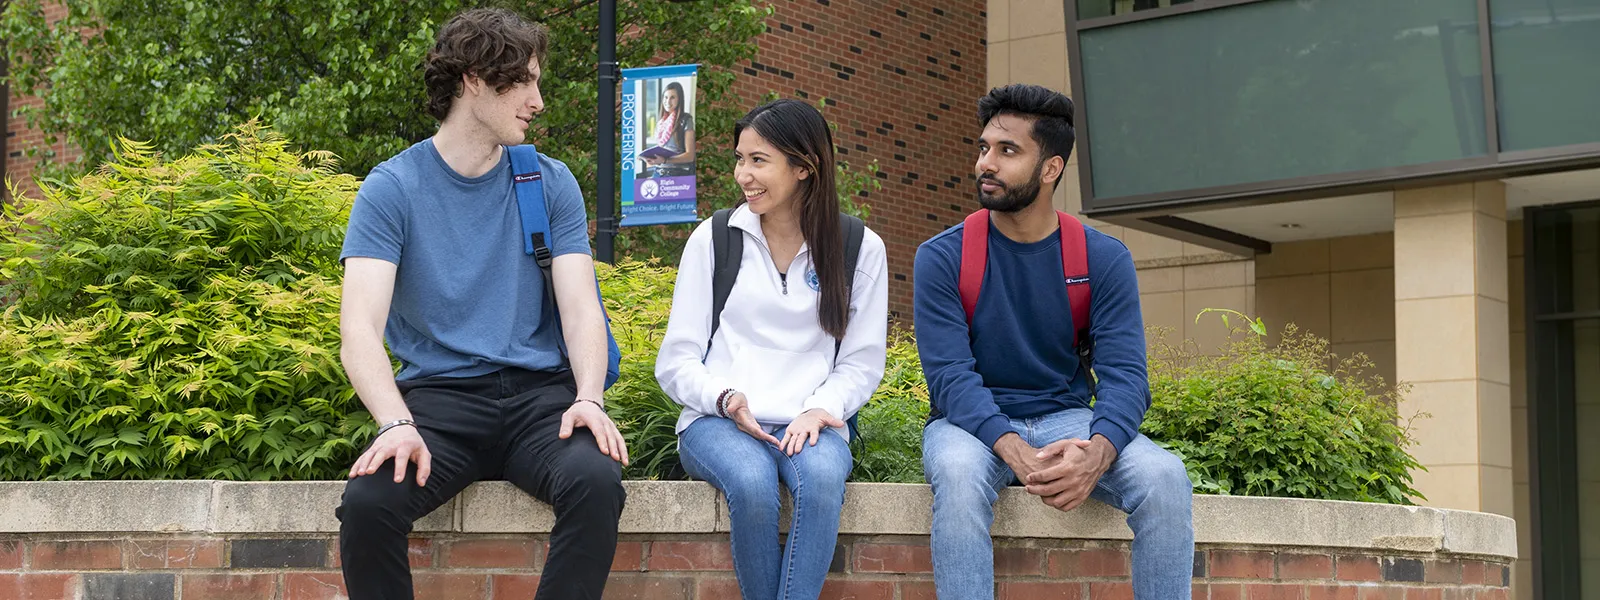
785,282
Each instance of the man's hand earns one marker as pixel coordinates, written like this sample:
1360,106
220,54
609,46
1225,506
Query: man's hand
738,409
402,443
806,428
1023,459
1068,483
584,413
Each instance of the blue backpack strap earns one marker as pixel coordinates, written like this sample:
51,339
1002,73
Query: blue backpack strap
528,182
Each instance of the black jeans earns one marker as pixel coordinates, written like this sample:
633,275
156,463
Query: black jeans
503,425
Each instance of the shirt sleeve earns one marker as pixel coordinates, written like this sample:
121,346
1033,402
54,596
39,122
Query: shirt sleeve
955,389
569,218
1116,324
377,220
858,367
679,367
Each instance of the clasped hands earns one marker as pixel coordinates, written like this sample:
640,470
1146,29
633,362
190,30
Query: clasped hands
1062,473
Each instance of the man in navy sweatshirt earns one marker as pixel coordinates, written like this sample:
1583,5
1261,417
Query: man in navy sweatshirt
1011,401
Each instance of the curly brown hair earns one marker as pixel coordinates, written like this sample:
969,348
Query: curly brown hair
492,44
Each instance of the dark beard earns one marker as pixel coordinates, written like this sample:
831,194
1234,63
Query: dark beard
1011,199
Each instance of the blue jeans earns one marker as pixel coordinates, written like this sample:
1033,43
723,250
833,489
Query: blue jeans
748,471
1145,481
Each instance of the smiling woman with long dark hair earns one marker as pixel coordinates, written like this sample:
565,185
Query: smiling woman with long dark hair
798,350
674,131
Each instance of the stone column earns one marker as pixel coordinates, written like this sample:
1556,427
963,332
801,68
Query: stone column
1452,341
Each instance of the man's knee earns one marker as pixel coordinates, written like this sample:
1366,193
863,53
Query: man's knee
590,479
1164,477
374,500
960,479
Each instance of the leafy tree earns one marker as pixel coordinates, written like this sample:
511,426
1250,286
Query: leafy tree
342,75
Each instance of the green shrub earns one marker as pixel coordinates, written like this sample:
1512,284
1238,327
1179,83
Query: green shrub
888,444
638,299
178,319
1288,420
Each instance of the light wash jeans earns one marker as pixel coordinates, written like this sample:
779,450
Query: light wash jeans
748,471
1146,481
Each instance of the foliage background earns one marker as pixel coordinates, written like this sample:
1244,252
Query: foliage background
175,320
345,76
1291,419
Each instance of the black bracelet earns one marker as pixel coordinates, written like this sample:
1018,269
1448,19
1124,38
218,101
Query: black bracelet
393,424
596,402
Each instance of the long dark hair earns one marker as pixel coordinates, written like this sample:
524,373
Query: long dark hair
798,131
672,87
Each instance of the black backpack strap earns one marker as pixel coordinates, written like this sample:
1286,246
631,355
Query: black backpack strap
854,231
727,249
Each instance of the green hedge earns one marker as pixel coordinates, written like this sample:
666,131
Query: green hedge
179,319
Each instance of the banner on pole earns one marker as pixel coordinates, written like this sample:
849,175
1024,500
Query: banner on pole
658,145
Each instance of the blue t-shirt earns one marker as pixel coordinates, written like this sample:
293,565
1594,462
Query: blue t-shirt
467,299
1016,359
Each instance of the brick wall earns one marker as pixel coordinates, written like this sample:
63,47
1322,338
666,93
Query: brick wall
456,567
19,167
901,79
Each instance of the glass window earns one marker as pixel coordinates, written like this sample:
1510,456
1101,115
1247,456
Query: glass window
1281,89
1547,72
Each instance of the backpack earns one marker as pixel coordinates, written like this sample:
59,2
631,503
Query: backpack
528,182
1075,271
727,249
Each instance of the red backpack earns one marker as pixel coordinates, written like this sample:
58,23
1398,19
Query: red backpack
1074,264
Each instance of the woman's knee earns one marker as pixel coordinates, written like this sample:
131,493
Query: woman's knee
822,475
749,490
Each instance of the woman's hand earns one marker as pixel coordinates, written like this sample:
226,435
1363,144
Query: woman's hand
738,409
805,429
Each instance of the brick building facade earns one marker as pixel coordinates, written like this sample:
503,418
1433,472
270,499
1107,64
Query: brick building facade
901,79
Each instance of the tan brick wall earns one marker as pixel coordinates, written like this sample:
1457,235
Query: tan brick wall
1340,289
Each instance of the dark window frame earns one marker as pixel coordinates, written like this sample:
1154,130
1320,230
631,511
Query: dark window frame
1552,435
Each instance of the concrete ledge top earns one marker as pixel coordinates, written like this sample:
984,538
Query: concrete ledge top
686,507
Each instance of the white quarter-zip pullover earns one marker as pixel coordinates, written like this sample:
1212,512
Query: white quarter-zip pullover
770,345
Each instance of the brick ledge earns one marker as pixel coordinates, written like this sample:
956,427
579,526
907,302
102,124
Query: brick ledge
224,507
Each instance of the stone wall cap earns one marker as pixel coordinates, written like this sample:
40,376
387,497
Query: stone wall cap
227,507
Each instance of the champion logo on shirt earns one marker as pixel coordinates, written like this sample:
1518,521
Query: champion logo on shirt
527,177
1077,280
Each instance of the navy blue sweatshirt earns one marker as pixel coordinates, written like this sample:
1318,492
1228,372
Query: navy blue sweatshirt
1016,360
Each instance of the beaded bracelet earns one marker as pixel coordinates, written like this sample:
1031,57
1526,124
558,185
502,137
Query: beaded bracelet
722,402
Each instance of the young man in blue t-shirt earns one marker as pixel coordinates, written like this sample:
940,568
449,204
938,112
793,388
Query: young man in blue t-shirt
434,265
1011,401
